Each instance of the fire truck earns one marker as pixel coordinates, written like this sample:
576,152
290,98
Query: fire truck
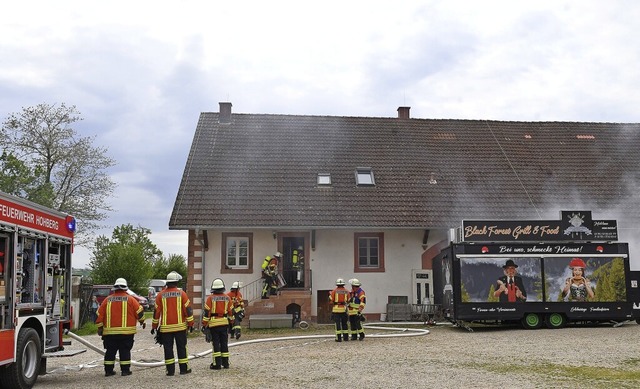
36,244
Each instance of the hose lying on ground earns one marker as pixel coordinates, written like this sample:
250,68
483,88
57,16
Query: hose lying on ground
403,332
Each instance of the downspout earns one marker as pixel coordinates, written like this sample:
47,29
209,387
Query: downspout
204,243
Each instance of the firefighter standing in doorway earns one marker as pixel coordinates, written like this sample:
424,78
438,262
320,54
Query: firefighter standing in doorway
357,302
269,272
117,318
218,315
238,309
297,259
171,318
339,298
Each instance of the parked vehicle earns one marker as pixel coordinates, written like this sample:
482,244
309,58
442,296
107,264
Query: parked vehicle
537,272
102,291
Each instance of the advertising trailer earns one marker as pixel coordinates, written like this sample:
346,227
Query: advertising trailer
538,273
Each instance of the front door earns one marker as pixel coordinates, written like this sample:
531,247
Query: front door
422,286
293,247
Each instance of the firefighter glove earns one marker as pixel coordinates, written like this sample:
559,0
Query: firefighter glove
207,334
144,325
190,329
100,329
153,331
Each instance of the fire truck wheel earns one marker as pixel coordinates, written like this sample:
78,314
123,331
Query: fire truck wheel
555,320
531,321
23,373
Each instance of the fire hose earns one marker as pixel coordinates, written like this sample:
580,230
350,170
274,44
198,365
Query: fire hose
399,332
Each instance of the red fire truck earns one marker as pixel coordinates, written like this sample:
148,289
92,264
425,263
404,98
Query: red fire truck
35,284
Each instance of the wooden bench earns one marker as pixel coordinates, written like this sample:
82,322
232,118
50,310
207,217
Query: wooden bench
271,321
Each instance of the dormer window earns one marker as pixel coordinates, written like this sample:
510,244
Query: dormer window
364,176
324,179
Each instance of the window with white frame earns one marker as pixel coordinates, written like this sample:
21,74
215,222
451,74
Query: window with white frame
364,176
237,252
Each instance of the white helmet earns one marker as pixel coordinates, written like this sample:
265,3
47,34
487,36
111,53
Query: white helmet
355,282
120,283
235,285
339,281
174,276
278,254
217,284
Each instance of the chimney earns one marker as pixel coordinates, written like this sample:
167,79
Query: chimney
403,112
225,113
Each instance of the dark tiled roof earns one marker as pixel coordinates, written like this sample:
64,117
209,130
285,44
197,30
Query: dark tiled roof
261,171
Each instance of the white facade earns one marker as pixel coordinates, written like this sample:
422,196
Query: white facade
333,257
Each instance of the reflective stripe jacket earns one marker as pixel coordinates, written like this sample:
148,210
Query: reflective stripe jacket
339,297
217,310
119,313
236,300
173,310
357,301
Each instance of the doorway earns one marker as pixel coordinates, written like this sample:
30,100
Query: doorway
422,286
294,266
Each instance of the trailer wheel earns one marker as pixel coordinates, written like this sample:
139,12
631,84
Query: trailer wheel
555,320
23,373
531,321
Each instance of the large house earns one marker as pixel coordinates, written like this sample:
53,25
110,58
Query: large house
374,198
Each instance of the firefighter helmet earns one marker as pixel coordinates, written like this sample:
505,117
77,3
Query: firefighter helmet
355,282
217,285
120,283
278,254
235,285
339,281
174,276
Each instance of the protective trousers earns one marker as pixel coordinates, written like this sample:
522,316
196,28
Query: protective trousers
180,338
220,340
114,344
356,327
342,331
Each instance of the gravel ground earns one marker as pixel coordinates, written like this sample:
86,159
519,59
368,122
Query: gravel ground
447,357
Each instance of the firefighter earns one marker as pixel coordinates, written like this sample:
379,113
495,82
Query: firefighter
117,318
217,316
270,274
339,297
297,259
172,317
238,309
357,302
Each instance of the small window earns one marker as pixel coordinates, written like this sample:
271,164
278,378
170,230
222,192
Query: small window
237,252
364,176
324,179
369,252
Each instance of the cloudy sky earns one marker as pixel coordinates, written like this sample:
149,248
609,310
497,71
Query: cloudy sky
140,72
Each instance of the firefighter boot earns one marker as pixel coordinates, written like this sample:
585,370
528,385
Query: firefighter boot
225,362
108,370
361,336
354,337
171,369
184,369
217,365
238,333
345,337
125,370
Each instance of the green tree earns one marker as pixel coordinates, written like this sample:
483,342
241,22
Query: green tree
129,254
175,262
491,298
62,170
610,281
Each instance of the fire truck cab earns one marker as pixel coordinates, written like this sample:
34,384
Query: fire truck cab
36,244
